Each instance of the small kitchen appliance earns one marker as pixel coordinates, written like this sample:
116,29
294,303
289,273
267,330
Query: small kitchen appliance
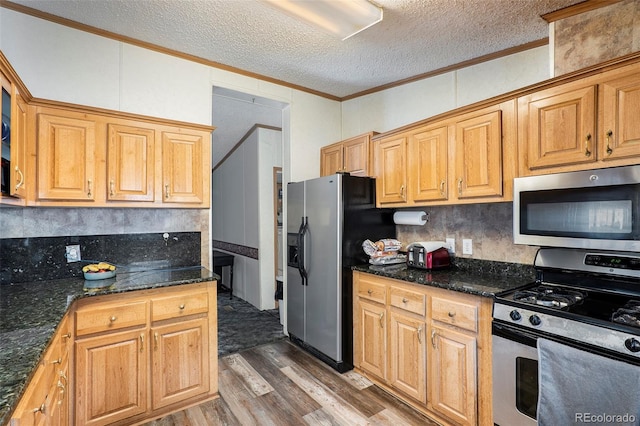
428,255
583,301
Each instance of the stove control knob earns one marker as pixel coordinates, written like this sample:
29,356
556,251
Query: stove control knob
515,315
632,344
535,320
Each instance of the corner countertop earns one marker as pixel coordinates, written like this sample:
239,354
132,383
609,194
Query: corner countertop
30,313
481,281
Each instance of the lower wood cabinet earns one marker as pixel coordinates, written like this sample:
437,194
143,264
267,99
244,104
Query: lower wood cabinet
46,400
142,354
429,346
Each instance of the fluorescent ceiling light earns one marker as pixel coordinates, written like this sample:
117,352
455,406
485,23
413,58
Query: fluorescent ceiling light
343,18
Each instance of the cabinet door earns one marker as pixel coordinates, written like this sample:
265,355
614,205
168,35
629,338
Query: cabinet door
180,367
407,356
478,156
372,337
131,163
111,377
356,154
66,158
620,131
19,147
331,159
391,170
428,164
452,375
182,167
560,126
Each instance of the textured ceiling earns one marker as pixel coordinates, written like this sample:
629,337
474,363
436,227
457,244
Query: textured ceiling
415,37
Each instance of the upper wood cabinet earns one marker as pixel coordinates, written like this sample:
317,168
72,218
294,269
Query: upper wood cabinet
66,155
103,161
586,124
182,173
131,163
620,100
468,158
352,156
14,139
391,170
428,163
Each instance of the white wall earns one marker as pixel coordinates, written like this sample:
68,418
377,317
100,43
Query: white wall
406,104
243,213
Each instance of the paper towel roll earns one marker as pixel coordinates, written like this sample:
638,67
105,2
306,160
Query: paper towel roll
410,218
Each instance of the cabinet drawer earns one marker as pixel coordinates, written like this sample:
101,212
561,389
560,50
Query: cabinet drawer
371,290
408,300
460,314
179,305
94,319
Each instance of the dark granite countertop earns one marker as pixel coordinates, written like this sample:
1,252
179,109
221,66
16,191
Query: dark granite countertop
30,313
480,278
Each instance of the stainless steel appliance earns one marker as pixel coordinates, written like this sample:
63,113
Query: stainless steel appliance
585,299
595,209
328,219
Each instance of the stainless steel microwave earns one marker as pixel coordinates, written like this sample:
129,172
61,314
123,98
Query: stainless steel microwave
592,209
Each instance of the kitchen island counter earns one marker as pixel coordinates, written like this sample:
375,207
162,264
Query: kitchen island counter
30,313
480,278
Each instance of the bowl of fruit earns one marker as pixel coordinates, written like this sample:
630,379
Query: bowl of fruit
99,271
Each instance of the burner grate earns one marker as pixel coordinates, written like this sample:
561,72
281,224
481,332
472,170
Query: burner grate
548,296
629,314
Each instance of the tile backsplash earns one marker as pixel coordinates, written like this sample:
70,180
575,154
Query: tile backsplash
488,225
43,258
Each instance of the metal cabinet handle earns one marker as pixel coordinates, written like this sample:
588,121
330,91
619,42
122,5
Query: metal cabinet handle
451,314
609,149
460,186
587,153
141,342
442,187
404,300
66,336
370,292
420,334
113,318
433,338
111,187
155,341
181,307
166,191
402,191
89,188
21,175
57,361
40,409
381,322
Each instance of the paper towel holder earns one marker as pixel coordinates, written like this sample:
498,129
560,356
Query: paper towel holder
410,218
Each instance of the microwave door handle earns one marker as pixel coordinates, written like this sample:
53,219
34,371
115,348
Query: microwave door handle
303,269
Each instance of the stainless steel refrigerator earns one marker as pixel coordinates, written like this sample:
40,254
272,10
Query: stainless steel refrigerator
328,218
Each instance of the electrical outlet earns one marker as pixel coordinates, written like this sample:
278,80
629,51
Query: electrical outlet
72,253
467,246
451,243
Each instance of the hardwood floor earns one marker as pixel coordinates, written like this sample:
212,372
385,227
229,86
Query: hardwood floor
279,384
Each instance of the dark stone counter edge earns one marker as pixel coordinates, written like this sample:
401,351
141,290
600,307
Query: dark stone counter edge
479,284
10,402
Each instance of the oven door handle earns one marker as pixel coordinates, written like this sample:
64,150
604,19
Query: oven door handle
515,334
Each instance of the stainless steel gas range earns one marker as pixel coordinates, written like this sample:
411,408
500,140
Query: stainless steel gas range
564,343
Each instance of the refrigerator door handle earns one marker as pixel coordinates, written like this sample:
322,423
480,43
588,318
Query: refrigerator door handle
304,226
